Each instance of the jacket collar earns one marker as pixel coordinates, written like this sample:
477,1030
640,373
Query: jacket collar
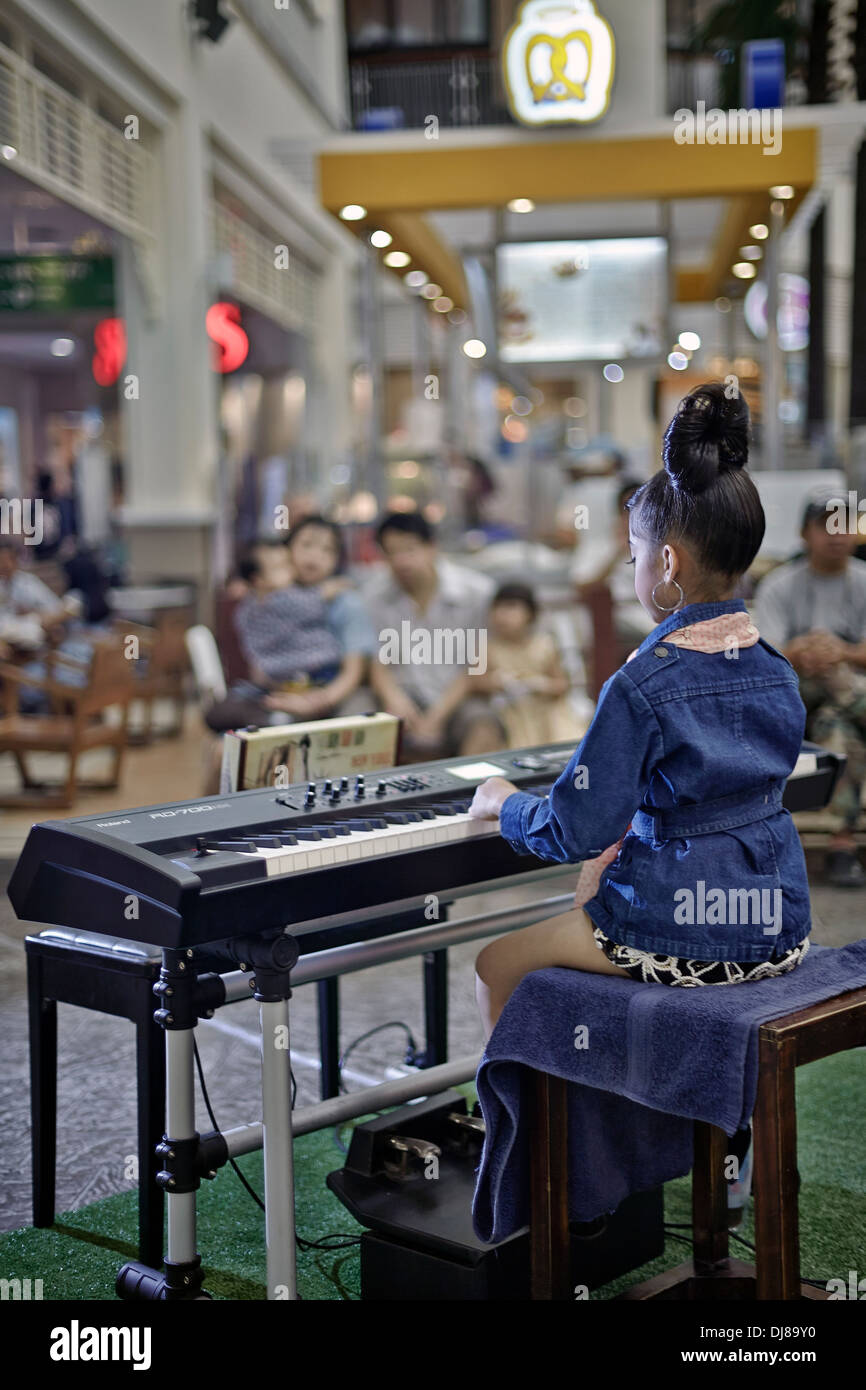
691,613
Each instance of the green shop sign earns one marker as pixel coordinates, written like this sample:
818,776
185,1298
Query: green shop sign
50,284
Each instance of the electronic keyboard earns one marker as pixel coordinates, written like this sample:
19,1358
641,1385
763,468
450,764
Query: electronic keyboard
190,873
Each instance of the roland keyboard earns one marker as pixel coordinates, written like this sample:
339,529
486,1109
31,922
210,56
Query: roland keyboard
190,873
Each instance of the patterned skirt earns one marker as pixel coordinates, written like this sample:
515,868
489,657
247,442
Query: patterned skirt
674,970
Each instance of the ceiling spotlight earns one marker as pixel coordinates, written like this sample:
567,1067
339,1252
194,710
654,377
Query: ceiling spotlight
613,372
397,259
353,212
8,151
521,205
415,279
751,253
759,230
521,405
690,341
781,190
62,347
514,430
381,239
744,270
473,347
678,361
443,305
457,317
431,290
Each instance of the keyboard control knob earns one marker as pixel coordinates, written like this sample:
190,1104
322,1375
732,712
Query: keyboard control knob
327,788
381,787
344,784
335,794
360,789
310,799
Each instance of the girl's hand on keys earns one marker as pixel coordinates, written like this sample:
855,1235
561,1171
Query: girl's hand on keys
490,797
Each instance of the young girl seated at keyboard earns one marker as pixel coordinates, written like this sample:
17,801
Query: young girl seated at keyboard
693,873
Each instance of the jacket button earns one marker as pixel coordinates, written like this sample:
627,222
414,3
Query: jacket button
661,651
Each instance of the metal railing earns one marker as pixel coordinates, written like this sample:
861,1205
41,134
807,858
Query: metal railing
461,91
287,293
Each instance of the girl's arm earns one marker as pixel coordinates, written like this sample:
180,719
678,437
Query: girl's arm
593,801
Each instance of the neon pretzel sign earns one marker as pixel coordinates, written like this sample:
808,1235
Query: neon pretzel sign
558,62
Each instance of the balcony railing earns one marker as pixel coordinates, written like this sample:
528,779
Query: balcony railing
63,145
459,91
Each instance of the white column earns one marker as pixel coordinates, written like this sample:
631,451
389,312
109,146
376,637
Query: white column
171,429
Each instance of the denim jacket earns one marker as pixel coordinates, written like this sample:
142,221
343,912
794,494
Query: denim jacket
687,756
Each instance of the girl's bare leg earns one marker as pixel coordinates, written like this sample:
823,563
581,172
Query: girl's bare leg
566,940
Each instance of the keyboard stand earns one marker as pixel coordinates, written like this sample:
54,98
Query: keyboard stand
187,1156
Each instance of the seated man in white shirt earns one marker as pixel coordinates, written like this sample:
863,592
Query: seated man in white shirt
430,617
29,611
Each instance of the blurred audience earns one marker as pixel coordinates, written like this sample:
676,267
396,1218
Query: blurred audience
813,609
525,678
413,603
30,613
606,563
303,631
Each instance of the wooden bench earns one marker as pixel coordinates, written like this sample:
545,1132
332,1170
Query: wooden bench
836,1025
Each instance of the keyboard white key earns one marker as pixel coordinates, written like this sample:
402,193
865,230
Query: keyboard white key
372,844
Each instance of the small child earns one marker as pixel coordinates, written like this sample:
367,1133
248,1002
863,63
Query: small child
524,674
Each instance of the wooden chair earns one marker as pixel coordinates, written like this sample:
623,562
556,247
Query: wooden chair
74,725
834,1025
162,672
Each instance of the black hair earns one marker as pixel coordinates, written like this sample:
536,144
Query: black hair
703,495
624,492
516,592
408,523
249,568
327,525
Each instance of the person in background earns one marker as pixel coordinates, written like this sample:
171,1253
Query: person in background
524,677
432,601
813,610
29,612
303,631
607,563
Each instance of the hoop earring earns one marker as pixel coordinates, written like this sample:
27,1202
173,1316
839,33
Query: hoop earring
660,606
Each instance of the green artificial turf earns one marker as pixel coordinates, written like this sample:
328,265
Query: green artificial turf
78,1258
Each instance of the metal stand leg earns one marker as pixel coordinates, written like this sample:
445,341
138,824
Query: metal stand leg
436,1008
180,1125
43,1094
328,992
277,1136
180,1149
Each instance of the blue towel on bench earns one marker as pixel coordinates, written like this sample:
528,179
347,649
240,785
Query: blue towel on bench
653,1059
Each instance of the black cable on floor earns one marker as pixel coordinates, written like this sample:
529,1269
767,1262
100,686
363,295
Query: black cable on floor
411,1045
343,1239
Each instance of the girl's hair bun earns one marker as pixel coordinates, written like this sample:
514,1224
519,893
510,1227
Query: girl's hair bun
708,435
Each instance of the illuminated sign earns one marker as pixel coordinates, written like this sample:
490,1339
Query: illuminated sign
109,341
558,62
231,344
792,318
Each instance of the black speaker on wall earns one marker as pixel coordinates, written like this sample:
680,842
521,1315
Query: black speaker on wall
210,22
